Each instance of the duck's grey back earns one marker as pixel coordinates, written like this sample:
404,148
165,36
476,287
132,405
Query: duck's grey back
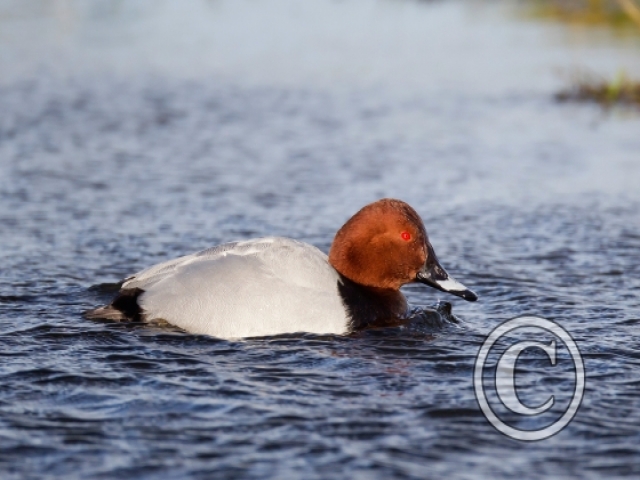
266,286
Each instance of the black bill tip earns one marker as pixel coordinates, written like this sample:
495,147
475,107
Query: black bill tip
468,295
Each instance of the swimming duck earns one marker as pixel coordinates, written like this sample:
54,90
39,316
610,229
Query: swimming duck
274,285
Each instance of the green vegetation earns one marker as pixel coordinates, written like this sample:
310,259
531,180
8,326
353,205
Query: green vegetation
621,90
615,13
624,16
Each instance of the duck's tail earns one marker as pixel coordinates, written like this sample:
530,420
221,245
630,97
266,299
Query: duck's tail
123,308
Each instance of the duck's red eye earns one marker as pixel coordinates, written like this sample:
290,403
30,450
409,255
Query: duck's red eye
406,236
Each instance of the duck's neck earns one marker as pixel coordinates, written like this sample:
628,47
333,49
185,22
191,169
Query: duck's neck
372,307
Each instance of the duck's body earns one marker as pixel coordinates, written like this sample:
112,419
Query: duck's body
274,285
252,288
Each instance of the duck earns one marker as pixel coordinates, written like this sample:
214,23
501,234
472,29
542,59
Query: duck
274,285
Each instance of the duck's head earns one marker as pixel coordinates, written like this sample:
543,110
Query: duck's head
385,245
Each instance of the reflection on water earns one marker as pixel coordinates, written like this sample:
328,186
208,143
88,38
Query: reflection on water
133,132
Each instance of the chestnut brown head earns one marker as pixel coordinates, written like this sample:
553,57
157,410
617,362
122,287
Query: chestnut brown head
385,245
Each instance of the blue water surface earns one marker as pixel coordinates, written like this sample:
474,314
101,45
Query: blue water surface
134,132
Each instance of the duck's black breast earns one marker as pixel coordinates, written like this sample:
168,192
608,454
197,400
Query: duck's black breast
371,307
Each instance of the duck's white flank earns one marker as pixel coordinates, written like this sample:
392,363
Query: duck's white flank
265,286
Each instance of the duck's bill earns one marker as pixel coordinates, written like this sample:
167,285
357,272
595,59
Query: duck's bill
435,276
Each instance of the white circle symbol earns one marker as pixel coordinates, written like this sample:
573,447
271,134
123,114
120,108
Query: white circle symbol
507,393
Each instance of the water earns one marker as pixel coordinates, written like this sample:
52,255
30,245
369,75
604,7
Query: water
131,133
